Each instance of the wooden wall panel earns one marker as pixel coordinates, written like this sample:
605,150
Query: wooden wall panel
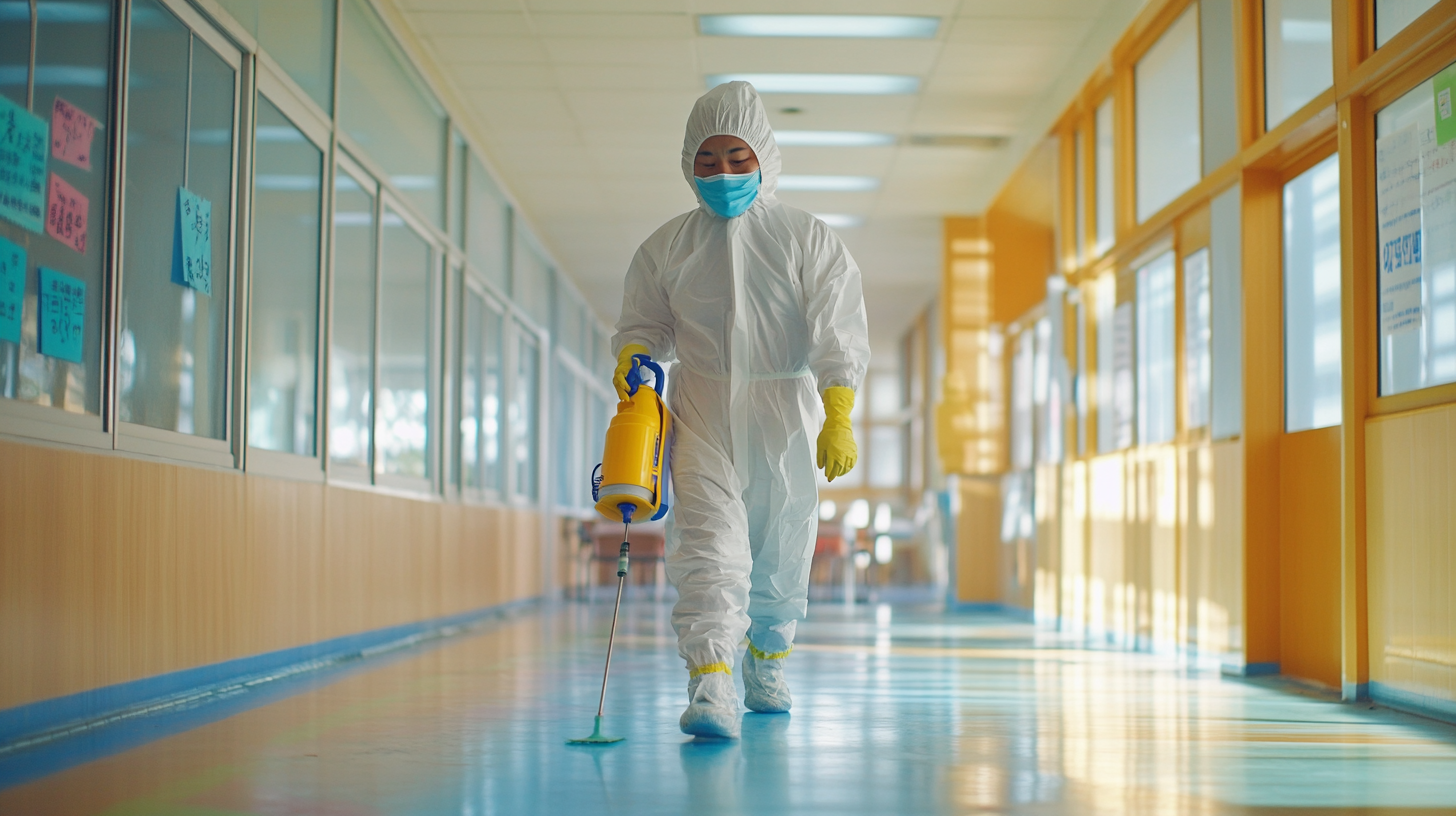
114,569
1309,555
978,540
1410,484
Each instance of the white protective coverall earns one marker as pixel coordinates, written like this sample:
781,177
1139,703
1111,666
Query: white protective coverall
762,312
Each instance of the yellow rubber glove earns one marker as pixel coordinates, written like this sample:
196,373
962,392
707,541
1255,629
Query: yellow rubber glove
837,451
624,364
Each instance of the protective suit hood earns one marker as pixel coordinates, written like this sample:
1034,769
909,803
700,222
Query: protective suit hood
733,109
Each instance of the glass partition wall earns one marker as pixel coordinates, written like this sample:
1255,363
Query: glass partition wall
279,266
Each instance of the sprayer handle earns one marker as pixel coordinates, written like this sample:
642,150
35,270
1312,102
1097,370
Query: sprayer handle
634,375
622,561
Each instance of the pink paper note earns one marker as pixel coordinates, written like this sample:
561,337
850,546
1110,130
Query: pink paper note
66,214
71,133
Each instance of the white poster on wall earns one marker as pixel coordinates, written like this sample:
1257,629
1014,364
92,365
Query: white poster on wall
1398,181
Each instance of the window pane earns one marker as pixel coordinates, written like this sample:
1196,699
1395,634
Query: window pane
1220,100
1227,291
531,284
1197,336
351,355
470,389
388,110
1023,371
1416,231
1104,300
283,354
886,455
1298,56
458,160
73,61
1312,298
523,414
299,34
1106,214
1169,155
566,452
1392,16
15,51
487,227
1156,390
173,344
571,330
401,422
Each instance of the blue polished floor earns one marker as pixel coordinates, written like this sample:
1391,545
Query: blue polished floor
897,710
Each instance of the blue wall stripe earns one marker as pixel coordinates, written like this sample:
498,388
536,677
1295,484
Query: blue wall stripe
28,721
1426,706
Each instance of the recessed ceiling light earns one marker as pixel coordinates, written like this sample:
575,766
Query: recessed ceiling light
832,138
823,83
831,184
817,25
840,220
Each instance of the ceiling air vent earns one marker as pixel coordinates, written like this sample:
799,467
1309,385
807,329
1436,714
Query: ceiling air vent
957,140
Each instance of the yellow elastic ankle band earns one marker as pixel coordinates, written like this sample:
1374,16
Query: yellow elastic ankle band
710,669
762,655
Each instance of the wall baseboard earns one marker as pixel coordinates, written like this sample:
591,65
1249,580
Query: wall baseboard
44,721
1424,705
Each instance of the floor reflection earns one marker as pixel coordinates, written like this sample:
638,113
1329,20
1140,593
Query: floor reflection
903,710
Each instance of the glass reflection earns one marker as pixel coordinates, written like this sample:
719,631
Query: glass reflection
283,338
401,422
173,345
351,357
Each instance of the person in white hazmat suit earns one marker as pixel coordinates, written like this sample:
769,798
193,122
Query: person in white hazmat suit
760,305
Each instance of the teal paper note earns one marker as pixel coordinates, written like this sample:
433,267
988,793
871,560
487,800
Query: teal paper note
1445,85
12,288
24,141
192,250
62,315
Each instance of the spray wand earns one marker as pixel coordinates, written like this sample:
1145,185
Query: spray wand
596,737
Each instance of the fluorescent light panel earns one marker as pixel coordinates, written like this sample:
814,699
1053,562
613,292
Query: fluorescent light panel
817,25
832,138
830,184
840,220
823,83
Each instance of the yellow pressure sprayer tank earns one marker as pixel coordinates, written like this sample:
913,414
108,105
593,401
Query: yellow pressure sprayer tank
632,483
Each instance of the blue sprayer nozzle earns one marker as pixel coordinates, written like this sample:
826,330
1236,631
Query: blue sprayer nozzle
627,509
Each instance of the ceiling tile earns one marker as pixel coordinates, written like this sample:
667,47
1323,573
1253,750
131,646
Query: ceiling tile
613,25
487,50
662,53
625,6
795,55
470,24
625,77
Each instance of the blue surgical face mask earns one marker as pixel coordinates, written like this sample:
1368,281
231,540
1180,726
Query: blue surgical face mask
729,194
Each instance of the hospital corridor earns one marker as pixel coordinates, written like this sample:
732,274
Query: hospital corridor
582,407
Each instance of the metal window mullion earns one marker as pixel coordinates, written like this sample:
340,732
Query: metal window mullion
116,235
187,115
378,320
244,154
322,419
30,75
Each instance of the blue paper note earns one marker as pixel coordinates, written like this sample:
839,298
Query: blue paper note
192,248
24,141
62,315
12,288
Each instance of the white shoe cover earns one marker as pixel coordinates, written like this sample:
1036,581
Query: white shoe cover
713,711
766,691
